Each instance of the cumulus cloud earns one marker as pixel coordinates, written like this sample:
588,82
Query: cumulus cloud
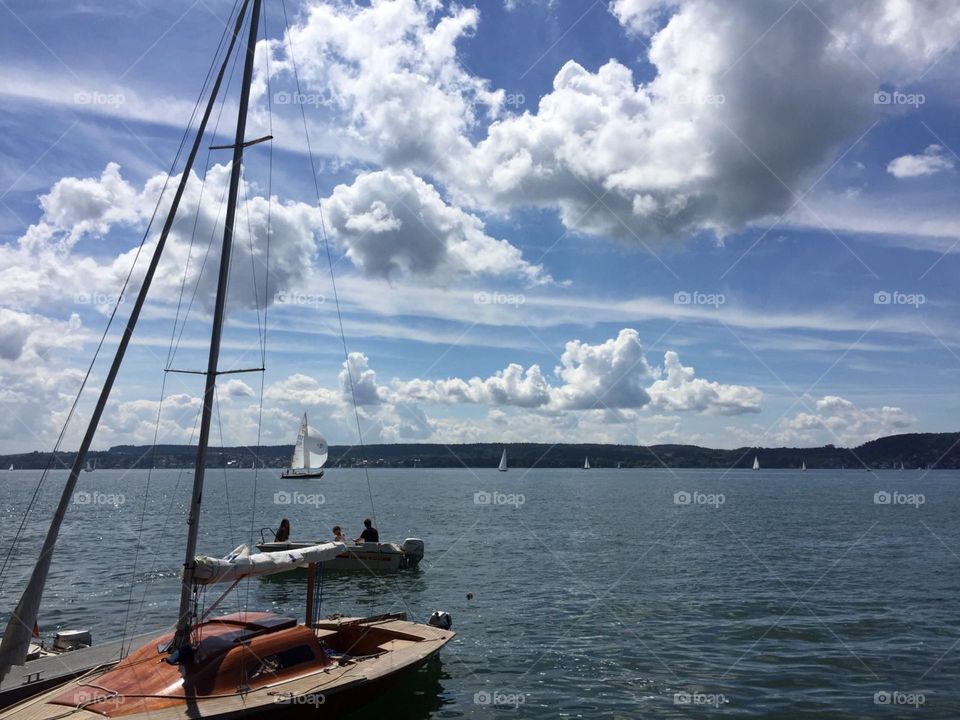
933,160
53,258
609,375
395,224
829,419
846,422
612,377
389,224
525,388
390,70
358,381
680,390
748,105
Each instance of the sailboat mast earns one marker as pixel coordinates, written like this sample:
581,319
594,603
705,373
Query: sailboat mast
184,621
16,638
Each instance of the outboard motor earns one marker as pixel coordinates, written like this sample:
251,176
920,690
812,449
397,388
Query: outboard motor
412,551
441,620
67,640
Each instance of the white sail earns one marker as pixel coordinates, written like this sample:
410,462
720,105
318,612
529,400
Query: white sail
10,468
503,461
241,563
586,463
756,463
311,450
803,465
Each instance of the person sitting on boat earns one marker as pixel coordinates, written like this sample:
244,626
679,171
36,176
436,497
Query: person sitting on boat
283,532
369,533
338,535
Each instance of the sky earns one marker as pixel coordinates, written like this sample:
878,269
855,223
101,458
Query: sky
718,222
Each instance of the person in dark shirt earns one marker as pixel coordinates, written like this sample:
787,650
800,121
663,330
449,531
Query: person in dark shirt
283,532
369,533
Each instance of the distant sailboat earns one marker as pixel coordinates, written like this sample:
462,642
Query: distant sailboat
90,466
11,467
901,466
619,466
586,463
309,454
503,461
756,463
803,466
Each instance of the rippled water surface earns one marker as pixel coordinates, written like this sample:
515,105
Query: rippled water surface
594,594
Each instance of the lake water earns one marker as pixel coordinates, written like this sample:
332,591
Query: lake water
617,594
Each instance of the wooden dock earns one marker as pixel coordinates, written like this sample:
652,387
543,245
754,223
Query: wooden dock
47,672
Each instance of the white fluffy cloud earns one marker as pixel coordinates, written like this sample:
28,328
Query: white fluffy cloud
389,224
57,256
390,69
846,423
612,377
934,159
395,224
750,102
680,390
829,419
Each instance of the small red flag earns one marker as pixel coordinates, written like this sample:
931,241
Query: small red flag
36,630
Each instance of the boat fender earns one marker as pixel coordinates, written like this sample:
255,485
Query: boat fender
441,620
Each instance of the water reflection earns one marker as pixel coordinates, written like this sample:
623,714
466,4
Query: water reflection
415,696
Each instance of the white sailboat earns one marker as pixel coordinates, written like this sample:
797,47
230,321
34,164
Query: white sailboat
244,663
90,466
756,462
502,467
803,466
586,463
901,466
309,454
11,467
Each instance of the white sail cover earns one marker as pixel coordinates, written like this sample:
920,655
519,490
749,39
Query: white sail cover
311,449
241,564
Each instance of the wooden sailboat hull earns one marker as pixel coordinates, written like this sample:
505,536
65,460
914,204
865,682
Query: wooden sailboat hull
252,664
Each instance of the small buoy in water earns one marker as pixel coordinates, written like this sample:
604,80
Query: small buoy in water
469,596
441,620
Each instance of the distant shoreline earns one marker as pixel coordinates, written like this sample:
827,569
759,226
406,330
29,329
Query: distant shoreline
914,451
